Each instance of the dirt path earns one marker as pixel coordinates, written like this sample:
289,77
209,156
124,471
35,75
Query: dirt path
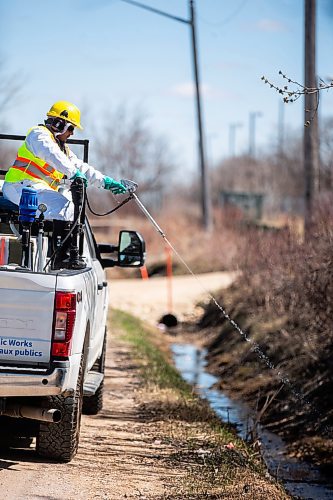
118,454
126,452
147,299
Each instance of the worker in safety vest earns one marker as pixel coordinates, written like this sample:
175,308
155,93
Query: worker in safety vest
44,159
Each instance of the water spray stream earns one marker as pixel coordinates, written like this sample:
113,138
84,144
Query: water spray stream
255,346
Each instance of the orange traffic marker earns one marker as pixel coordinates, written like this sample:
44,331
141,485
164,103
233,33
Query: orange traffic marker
144,272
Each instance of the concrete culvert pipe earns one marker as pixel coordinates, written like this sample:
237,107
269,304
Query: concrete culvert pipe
169,320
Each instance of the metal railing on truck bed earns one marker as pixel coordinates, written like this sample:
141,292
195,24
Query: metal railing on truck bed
14,137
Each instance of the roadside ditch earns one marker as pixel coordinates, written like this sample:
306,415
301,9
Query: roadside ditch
208,458
301,479
291,422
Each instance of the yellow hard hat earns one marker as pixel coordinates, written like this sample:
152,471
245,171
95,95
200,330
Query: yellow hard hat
67,111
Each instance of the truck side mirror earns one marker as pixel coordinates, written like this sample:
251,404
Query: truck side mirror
131,249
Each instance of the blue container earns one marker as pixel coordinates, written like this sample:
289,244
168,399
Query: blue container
28,205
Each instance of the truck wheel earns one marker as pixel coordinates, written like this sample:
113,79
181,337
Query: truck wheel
94,404
60,441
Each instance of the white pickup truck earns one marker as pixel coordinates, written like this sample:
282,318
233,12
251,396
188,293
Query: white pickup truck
53,333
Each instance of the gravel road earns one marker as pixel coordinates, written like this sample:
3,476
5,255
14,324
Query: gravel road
148,299
118,454
116,457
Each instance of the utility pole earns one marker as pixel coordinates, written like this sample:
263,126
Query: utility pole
205,197
310,139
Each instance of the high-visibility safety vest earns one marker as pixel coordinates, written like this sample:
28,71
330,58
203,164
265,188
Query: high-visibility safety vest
29,166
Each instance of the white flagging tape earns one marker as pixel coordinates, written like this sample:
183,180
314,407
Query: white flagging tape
255,346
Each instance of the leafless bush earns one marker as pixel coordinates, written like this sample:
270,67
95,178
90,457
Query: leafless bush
284,300
293,278
278,178
283,275
278,175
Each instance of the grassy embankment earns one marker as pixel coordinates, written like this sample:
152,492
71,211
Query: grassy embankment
211,461
283,300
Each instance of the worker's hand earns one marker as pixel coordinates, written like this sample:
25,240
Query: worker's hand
80,175
114,186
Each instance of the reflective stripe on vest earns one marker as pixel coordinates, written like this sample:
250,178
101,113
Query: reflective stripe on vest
28,166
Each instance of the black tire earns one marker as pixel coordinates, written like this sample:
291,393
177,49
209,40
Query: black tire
60,441
94,404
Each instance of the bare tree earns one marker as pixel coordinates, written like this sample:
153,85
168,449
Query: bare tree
279,177
127,148
292,90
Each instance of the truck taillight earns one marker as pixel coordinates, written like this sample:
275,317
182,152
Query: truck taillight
63,325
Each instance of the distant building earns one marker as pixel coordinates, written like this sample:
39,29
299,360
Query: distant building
251,204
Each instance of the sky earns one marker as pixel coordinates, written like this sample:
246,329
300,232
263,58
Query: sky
103,53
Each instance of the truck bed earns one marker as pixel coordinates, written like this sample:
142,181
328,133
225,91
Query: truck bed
26,317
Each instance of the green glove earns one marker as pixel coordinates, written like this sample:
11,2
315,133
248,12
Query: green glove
114,186
80,175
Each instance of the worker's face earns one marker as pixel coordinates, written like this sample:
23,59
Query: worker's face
66,135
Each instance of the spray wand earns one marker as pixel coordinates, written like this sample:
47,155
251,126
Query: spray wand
255,347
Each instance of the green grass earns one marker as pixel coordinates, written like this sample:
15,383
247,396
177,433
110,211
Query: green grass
154,366
180,400
188,423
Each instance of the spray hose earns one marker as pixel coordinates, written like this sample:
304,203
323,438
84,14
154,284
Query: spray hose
255,347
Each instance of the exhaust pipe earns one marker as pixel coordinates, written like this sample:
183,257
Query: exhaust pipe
34,413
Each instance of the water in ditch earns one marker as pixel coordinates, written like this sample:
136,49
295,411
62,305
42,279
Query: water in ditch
299,478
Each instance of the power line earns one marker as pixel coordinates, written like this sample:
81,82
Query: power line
227,19
191,22
157,11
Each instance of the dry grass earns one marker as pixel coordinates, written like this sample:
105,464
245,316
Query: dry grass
204,252
284,301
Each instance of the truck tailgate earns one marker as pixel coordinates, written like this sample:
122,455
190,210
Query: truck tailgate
26,317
